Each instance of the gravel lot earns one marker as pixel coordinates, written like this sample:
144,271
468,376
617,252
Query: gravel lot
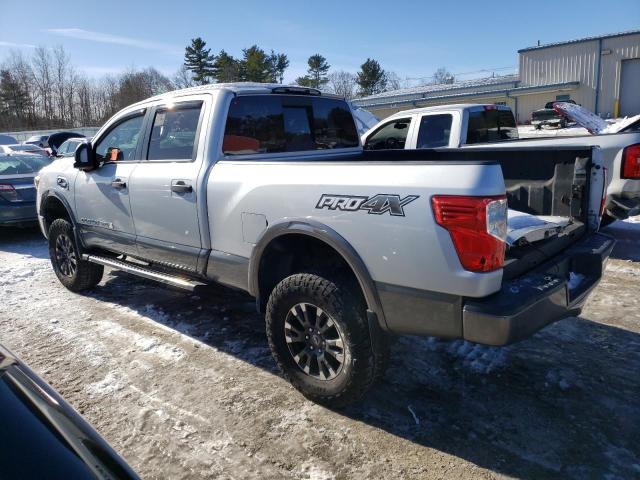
185,387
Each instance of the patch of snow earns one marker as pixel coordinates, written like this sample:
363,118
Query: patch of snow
479,358
528,131
108,385
310,471
611,267
563,379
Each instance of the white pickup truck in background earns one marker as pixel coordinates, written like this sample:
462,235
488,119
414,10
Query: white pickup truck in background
494,127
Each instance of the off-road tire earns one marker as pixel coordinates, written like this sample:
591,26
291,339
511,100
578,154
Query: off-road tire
86,275
364,360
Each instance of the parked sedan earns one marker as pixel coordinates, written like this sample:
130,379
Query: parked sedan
17,190
7,139
24,148
43,436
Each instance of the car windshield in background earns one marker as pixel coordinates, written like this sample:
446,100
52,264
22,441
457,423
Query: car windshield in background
23,164
287,123
491,125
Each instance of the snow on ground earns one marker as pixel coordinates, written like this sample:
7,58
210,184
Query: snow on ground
528,131
184,386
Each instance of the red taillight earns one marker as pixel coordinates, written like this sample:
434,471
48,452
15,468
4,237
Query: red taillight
478,228
488,108
8,192
631,162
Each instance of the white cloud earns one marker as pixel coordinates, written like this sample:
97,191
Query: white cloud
16,45
81,34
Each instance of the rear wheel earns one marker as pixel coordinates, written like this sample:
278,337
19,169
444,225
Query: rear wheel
319,336
73,272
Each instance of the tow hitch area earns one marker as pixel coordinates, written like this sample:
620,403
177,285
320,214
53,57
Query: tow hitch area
526,304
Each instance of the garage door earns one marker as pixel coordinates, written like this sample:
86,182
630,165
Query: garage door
630,87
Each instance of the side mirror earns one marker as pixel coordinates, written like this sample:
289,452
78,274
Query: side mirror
85,157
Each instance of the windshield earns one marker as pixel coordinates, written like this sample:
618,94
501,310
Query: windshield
491,125
23,164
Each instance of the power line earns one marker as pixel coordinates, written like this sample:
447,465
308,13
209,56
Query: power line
460,74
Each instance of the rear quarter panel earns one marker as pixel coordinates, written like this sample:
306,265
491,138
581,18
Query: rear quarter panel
410,250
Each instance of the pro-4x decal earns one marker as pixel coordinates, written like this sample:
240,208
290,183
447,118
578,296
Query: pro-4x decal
376,205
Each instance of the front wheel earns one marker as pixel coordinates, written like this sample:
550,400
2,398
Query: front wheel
319,336
73,272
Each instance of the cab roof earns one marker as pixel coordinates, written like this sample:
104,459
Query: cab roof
448,107
243,88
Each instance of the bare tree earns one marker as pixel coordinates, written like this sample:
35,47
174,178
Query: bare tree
183,78
61,72
442,75
394,82
343,83
43,79
20,69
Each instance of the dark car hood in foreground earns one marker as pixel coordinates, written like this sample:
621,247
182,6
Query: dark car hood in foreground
43,437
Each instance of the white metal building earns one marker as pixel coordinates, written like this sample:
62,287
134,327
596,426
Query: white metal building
601,73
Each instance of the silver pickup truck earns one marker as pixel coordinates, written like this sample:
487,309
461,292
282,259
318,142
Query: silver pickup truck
265,188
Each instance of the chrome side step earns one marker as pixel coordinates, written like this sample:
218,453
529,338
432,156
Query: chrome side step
140,271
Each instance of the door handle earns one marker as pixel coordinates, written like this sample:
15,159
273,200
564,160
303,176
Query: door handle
118,184
181,187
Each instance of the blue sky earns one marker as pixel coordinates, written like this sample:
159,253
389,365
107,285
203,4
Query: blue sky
411,38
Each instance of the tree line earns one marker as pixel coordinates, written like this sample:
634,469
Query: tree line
201,67
44,89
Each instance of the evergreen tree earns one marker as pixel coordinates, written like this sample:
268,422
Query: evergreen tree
371,78
316,73
279,63
199,60
255,65
226,68
14,101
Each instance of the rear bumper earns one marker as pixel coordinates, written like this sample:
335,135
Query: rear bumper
550,121
623,206
17,213
528,303
522,306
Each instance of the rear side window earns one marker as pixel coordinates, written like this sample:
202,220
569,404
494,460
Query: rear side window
491,125
434,131
173,134
391,135
287,123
